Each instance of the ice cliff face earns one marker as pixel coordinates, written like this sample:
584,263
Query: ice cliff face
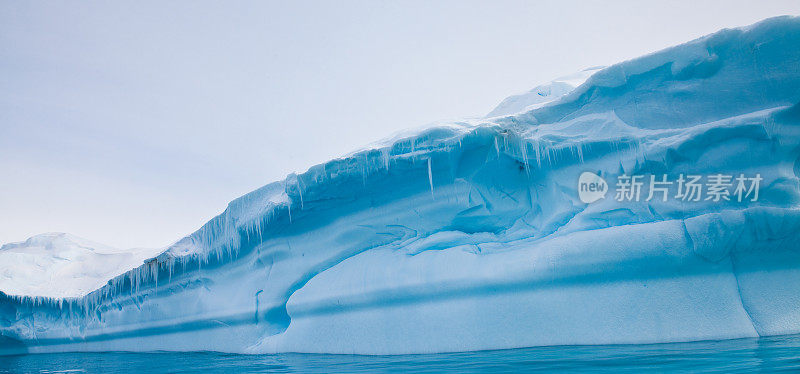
474,235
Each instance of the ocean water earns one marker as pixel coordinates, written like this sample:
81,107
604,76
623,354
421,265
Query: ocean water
741,355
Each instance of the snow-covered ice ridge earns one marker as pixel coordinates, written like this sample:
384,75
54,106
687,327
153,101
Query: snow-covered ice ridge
57,265
471,235
541,95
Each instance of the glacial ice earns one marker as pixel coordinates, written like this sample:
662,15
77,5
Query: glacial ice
540,95
58,265
471,235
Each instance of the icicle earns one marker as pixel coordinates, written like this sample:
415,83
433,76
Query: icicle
364,171
524,151
300,191
430,176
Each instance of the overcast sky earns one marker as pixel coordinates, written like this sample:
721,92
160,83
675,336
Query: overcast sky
133,123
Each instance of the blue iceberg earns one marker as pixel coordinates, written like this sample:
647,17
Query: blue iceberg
476,235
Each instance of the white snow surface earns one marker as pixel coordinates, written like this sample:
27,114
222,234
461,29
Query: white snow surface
59,265
540,95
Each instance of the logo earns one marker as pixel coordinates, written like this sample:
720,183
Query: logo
716,188
591,187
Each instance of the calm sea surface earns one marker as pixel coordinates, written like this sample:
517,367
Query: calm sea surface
742,355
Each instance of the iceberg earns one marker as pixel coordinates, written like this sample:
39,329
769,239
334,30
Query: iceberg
472,235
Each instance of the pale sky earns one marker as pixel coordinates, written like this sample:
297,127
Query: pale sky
133,123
